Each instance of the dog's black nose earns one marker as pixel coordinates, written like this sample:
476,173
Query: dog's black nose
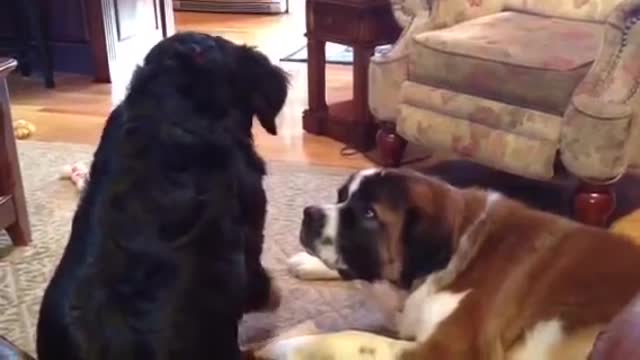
313,214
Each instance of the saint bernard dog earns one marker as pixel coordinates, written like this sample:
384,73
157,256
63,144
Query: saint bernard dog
476,276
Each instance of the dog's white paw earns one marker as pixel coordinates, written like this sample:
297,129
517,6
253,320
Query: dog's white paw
307,267
352,345
287,349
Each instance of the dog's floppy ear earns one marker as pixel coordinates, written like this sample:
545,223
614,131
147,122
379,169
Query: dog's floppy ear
427,242
268,85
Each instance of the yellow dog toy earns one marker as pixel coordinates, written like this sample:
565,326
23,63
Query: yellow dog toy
23,129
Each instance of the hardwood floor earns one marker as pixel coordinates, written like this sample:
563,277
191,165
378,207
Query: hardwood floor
76,109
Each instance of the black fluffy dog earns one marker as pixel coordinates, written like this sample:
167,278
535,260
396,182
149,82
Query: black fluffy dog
164,254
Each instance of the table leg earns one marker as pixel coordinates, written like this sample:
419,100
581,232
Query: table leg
315,117
11,183
361,57
34,18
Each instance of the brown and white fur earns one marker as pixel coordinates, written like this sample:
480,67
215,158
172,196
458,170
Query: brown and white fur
486,278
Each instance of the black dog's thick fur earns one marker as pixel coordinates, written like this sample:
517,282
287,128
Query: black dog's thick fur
164,253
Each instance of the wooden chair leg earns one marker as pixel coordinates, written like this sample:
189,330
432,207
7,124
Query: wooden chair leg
19,230
594,204
391,146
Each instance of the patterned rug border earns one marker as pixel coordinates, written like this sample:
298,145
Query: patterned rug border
329,305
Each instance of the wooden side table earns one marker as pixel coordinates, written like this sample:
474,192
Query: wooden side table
363,25
13,206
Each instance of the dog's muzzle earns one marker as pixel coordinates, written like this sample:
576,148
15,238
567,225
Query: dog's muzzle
313,221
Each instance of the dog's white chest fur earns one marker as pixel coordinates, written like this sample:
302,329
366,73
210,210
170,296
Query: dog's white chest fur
414,315
417,315
425,310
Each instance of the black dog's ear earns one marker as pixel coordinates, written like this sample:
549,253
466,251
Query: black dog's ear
268,85
428,244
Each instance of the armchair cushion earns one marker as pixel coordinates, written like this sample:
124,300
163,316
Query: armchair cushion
517,58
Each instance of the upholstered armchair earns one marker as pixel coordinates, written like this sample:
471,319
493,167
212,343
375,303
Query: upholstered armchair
537,88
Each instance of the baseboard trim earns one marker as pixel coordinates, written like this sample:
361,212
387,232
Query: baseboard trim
249,7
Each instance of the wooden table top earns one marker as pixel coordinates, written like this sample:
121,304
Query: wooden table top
7,65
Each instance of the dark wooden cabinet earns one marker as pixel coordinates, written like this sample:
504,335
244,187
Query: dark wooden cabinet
94,37
65,26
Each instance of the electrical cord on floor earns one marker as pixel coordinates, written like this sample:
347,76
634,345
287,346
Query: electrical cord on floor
350,150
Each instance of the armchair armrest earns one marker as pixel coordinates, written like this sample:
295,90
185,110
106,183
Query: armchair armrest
598,109
405,10
601,123
444,12
594,138
418,16
389,70
615,75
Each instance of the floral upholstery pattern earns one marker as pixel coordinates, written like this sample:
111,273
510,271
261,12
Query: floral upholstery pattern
515,84
511,57
591,10
534,125
389,70
483,130
386,76
595,136
446,13
633,148
405,10
601,135
478,142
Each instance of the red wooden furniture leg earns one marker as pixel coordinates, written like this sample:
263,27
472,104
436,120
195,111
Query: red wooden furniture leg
594,204
13,206
391,146
315,117
361,57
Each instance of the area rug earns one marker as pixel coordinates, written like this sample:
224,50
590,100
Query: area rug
322,305
334,54
25,272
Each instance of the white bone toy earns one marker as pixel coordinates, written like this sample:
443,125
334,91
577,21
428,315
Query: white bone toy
78,173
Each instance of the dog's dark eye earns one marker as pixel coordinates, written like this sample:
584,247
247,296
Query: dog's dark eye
370,213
